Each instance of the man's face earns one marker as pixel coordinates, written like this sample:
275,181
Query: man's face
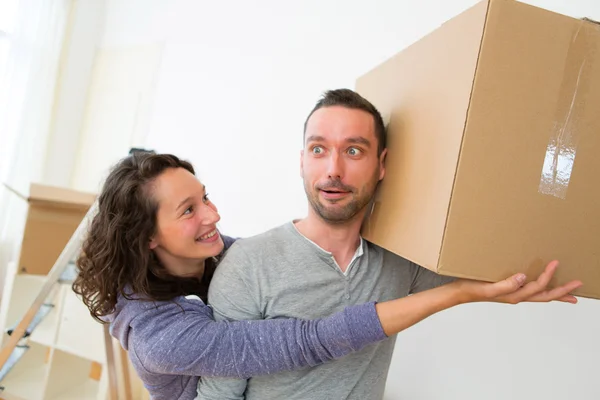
339,164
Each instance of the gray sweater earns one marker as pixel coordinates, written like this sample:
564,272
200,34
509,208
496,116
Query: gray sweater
171,343
281,274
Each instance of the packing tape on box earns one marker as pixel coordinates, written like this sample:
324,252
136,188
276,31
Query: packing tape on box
562,146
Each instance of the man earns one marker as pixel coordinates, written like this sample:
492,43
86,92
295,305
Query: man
312,267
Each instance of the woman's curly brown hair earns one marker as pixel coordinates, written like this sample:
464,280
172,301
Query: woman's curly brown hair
116,258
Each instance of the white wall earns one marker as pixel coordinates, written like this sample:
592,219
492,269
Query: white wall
84,31
234,82
28,92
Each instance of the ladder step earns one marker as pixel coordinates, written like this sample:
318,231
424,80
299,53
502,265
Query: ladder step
39,317
14,357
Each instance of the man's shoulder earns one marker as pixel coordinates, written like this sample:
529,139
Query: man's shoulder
425,276
264,241
246,263
247,252
389,258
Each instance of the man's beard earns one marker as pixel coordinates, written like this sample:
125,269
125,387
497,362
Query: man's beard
360,198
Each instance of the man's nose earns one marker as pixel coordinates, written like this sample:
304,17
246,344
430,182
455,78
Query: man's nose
335,168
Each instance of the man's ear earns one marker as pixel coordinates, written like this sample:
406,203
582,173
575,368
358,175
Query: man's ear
382,164
301,163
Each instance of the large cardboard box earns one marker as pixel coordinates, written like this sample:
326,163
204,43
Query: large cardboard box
494,142
53,215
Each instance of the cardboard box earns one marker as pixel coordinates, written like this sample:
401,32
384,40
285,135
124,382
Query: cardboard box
53,215
494,141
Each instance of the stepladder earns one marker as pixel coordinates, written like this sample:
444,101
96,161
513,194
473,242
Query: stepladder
51,331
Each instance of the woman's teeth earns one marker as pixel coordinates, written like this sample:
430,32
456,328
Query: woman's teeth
208,235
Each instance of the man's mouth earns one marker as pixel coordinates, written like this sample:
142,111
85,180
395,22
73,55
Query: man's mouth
333,193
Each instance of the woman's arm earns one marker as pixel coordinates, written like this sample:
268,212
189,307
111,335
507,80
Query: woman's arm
169,341
184,339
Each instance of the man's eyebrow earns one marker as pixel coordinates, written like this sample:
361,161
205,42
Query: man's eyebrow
355,140
315,138
359,140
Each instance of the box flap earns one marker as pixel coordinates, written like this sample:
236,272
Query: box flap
40,193
593,21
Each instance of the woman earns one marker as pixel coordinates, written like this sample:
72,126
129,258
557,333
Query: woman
145,269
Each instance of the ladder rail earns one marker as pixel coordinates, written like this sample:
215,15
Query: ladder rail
111,366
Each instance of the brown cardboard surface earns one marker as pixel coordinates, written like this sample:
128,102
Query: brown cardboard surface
524,190
53,215
60,196
420,167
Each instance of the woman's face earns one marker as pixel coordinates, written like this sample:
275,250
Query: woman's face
186,233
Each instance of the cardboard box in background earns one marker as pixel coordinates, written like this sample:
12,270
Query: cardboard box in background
494,146
53,215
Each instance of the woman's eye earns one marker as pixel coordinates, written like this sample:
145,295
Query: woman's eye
205,198
353,151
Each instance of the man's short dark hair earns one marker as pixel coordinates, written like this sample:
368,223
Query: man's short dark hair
350,99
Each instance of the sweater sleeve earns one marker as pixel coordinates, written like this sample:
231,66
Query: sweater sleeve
183,339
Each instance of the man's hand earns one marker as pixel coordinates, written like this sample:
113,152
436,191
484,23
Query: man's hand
513,290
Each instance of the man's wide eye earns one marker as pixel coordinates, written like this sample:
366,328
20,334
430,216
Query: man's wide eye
353,151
